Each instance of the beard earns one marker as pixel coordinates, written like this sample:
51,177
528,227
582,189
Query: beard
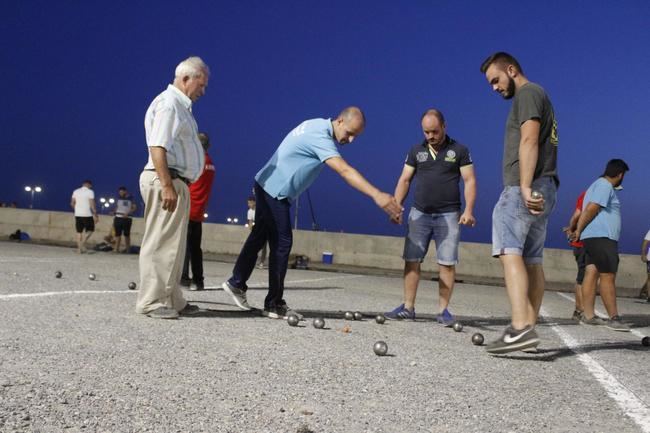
510,91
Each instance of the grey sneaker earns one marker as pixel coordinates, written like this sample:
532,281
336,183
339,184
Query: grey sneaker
577,316
615,324
163,313
513,340
189,310
281,312
238,295
594,321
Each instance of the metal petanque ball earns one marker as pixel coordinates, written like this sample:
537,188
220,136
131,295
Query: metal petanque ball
319,323
477,339
58,274
645,341
536,195
132,285
349,315
380,348
380,319
457,326
358,316
293,320
92,277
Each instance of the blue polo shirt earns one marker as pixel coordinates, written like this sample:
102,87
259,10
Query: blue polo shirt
607,224
299,159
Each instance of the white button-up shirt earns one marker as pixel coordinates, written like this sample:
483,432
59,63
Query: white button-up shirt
169,123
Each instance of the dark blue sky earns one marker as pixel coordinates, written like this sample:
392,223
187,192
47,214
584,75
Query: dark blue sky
78,77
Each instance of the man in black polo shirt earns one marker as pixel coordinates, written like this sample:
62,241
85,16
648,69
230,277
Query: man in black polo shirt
439,162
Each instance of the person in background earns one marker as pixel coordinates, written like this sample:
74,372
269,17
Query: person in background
124,208
85,213
199,196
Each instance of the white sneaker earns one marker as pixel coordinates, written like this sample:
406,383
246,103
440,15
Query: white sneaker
238,295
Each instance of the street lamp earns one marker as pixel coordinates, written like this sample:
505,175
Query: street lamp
106,202
231,220
32,190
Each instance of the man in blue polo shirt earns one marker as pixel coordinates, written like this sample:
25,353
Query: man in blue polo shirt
599,227
292,169
437,163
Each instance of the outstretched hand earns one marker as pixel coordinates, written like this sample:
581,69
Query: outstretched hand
388,203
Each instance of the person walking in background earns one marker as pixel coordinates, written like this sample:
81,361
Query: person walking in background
124,208
599,227
176,158
199,196
579,255
250,218
519,219
294,166
85,213
438,163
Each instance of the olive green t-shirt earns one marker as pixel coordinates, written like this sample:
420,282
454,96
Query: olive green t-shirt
530,102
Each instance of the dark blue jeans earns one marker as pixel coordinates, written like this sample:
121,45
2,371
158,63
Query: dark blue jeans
272,224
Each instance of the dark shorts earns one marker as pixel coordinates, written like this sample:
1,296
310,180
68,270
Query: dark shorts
579,254
602,253
84,223
122,225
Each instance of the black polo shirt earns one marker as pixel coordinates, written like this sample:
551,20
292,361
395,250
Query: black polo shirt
437,178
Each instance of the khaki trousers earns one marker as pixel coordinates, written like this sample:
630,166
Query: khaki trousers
163,246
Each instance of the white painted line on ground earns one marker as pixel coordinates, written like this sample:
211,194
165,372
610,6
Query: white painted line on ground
19,259
79,292
631,405
66,292
601,313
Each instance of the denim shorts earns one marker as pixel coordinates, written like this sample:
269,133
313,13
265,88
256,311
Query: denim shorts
441,227
515,231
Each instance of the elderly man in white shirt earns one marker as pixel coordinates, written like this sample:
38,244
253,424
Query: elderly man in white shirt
176,158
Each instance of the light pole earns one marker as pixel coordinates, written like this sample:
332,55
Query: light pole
32,190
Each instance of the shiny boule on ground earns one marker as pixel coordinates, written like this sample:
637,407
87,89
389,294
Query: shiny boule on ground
380,319
358,316
457,326
91,277
349,315
58,274
293,320
132,285
477,339
319,323
380,348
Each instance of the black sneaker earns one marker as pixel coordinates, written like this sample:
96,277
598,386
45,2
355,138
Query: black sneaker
513,340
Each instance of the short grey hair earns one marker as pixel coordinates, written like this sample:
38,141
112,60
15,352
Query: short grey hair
192,67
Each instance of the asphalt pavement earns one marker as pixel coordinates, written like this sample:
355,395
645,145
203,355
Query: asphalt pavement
75,357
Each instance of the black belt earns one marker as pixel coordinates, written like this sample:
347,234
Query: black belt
174,175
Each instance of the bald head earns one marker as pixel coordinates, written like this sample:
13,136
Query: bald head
349,124
434,127
353,113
